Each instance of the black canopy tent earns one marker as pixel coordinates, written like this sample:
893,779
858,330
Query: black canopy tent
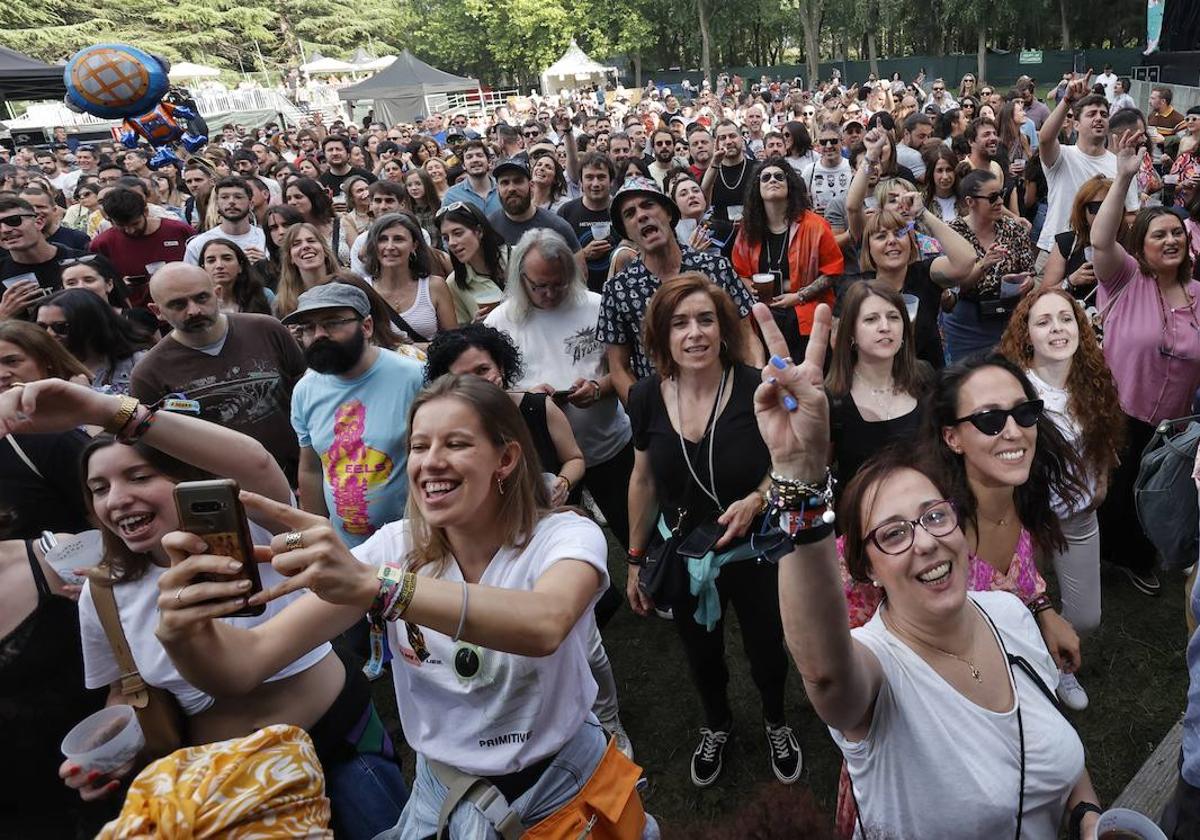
25,78
399,91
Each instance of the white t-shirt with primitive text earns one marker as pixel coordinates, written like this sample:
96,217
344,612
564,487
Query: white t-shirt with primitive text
486,712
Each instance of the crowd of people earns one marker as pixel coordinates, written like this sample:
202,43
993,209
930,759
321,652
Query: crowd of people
450,362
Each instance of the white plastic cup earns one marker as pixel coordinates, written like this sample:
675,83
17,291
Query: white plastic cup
1088,253
1124,824
104,741
27,277
734,212
601,230
1171,180
913,304
152,268
81,551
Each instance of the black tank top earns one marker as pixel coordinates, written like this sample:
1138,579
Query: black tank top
533,409
41,697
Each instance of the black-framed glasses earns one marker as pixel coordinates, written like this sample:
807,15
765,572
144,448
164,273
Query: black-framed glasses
543,288
773,175
59,328
329,325
1093,207
15,220
829,141
991,198
897,536
992,421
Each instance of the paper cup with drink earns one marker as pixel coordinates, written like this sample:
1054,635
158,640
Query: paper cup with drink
1124,824
105,741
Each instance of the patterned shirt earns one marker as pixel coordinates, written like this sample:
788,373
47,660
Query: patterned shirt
1012,235
627,295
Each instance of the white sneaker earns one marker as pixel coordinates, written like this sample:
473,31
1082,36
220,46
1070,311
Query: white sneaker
665,613
1071,693
618,733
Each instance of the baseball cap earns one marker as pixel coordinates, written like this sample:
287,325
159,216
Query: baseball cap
330,296
517,163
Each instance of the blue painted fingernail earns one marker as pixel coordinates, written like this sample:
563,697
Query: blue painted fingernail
789,402
778,362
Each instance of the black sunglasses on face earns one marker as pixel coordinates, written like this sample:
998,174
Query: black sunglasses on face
776,175
15,220
1093,207
829,141
993,421
57,327
990,198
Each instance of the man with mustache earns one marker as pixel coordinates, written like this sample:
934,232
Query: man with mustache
234,369
350,413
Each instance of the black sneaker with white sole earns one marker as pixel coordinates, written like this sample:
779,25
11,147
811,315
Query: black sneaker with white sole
1145,582
786,758
706,760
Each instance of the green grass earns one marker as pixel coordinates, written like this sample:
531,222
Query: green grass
1133,670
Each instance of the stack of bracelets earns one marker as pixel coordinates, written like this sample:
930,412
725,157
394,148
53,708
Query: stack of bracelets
395,593
1040,604
131,421
805,511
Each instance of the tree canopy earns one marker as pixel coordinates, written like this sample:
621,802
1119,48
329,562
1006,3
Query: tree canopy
510,41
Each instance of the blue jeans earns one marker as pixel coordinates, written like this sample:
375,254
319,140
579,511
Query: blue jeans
367,793
966,334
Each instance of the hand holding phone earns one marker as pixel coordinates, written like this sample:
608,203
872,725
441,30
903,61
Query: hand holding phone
212,511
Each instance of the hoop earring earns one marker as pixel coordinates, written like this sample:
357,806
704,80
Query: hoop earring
500,484
724,347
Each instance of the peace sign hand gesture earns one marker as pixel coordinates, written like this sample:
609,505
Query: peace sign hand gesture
790,405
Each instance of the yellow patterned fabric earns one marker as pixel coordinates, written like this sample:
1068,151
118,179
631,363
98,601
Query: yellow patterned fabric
265,786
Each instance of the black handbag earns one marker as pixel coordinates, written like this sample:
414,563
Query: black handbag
664,575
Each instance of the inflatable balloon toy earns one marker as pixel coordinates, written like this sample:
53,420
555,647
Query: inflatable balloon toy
119,81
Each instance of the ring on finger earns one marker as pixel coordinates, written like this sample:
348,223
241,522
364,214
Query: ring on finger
179,593
293,540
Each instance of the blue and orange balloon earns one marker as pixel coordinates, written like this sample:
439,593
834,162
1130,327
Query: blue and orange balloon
119,81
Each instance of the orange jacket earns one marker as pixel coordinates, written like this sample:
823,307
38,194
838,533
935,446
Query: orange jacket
812,251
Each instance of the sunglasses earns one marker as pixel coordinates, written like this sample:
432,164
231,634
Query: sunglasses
938,89
993,421
531,133
449,208
991,198
60,328
776,175
15,220
70,261
829,141
1093,207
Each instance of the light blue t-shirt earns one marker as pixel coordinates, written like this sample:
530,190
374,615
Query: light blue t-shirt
359,429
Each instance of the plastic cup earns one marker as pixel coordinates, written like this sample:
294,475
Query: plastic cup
27,277
1124,824
153,267
1170,180
1010,290
735,212
601,230
764,286
913,304
78,552
105,741
1088,253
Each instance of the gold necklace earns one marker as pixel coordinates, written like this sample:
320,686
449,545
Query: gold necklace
1001,522
975,672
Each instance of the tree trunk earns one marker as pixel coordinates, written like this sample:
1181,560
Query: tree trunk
705,41
810,19
637,69
981,53
871,54
1066,29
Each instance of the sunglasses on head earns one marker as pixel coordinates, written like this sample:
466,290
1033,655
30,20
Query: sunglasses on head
449,208
15,220
70,261
993,421
773,175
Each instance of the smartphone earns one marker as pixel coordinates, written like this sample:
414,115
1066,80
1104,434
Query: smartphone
701,539
212,510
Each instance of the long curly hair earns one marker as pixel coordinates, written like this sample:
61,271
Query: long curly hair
1093,393
1056,469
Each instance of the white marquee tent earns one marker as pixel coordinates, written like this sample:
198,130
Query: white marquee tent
573,71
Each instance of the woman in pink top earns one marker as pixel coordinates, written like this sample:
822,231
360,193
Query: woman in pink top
1151,342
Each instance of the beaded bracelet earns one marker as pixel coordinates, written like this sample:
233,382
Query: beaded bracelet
138,424
1040,604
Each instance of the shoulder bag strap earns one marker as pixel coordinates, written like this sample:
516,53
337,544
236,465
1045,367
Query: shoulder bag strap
25,458
463,787
132,685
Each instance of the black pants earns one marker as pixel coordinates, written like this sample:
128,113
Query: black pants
753,589
1122,540
609,485
1181,818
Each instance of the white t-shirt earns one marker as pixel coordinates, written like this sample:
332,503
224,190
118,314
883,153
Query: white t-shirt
935,764
911,158
807,159
825,183
137,604
253,238
1109,80
559,346
515,710
1063,181
947,208
1056,400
